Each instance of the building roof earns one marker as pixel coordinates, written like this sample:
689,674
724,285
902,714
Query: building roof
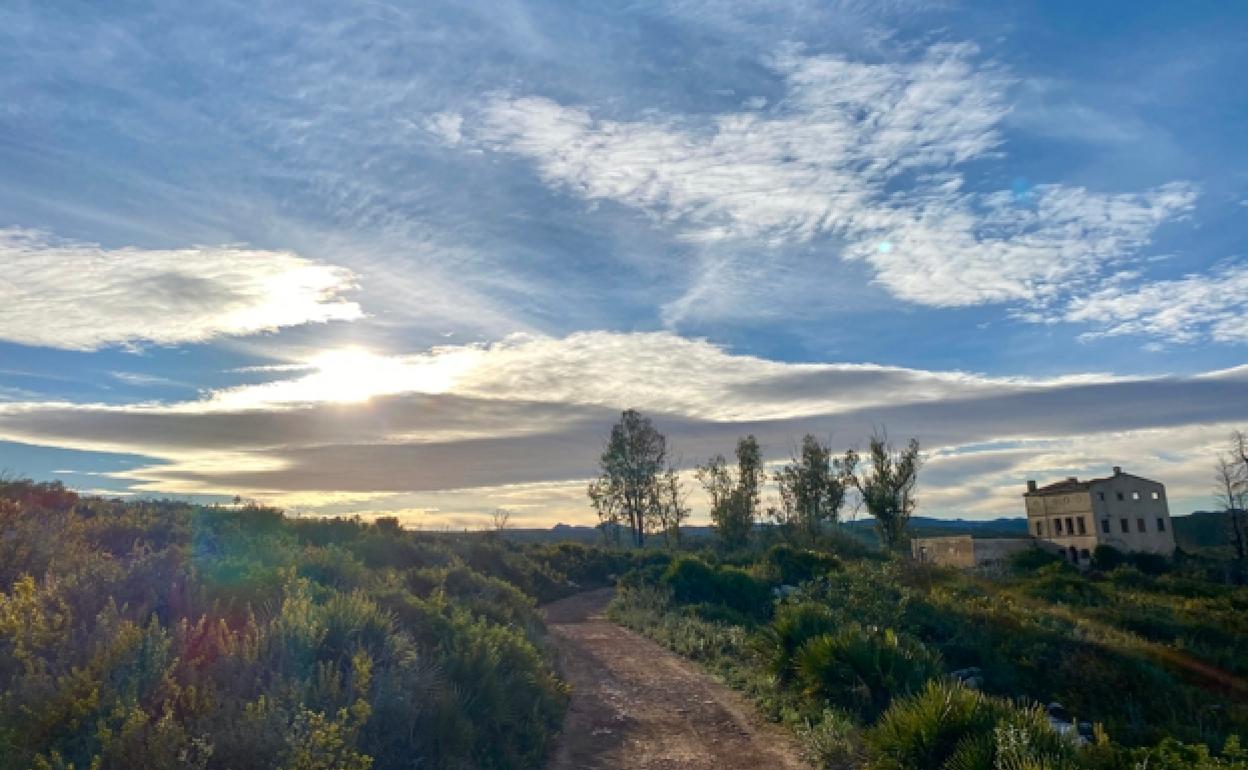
1073,484
1063,487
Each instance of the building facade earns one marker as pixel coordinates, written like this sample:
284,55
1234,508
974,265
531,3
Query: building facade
1125,511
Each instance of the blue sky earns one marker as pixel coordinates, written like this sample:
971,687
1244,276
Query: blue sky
372,256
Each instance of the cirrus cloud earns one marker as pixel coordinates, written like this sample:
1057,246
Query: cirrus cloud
864,159
1193,308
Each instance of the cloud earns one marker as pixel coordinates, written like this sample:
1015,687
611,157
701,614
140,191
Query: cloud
447,126
655,371
531,413
141,380
1194,308
859,158
81,296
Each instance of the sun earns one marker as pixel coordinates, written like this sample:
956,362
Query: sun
353,375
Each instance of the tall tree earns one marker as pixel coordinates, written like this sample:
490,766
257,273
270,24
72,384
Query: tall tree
734,497
887,488
632,463
812,488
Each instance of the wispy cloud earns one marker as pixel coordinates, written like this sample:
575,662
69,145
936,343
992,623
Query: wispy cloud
1196,308
81,296
865,154
141,380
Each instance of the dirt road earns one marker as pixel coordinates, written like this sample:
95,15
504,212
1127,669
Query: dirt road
637,706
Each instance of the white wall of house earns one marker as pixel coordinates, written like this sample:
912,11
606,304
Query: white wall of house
1135,513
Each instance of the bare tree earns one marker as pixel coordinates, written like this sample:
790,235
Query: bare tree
1232,494
499,519
632,462
734,497
672,506
887,489
812,489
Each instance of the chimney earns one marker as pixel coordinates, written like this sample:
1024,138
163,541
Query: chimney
1031,485
1117,470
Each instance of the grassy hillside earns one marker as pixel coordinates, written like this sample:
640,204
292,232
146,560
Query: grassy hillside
859,659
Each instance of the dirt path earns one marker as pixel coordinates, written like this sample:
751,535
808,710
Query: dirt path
638,706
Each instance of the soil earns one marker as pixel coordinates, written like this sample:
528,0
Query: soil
638,706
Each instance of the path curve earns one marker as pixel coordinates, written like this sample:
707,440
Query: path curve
638,706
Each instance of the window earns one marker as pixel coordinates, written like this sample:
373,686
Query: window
1120,497
1139,524
1100,496
1070,526
1156,495
1057,526
1135,495
1126,525
1039,529
1161,523
1083,527
1105,526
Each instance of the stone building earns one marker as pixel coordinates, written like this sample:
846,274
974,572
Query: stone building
967,551
1125,511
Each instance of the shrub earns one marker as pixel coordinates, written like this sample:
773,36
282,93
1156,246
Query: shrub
830,740
950,727
1127,576
1107,557
1027,561
1149,563
1061,583
791,566
718,613
792,626
693,581
863,669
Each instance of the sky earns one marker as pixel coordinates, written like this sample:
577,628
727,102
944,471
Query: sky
382,258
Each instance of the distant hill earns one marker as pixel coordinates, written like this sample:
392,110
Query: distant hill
1202,529
863,527
928,526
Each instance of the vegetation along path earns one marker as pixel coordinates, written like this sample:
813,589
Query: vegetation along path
638,706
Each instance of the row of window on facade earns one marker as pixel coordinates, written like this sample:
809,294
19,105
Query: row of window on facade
1073,523
1134,495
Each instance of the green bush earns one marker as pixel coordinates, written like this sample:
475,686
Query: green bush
863,669
950,727
791,566
792,626
1027,561
1107,557
1062,583
830,740
1149,563
693,581
718,613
